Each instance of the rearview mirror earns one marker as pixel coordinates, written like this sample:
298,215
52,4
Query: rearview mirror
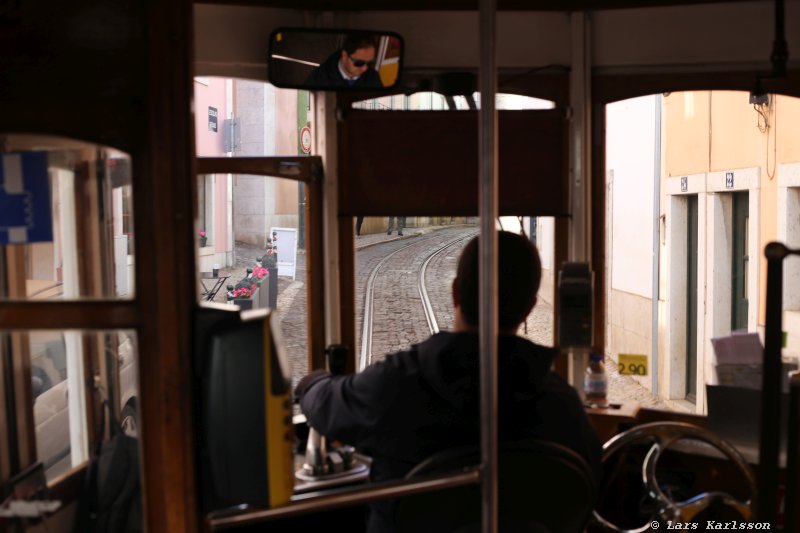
334,60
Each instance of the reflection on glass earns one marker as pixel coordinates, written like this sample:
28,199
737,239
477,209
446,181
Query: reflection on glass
85,205
60,398
334,59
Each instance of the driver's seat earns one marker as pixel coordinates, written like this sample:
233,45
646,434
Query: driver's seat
543,487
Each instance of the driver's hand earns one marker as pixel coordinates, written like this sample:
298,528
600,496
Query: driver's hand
308,381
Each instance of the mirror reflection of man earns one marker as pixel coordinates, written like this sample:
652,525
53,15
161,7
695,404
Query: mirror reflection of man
351,66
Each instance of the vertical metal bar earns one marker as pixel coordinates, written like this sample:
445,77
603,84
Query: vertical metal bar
580,147
656,246
771,387
487,143
792,457
325,142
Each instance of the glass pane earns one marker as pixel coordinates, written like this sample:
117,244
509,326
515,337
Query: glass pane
430,101
238,117
67,226
740,162
252,252
405,268
59,393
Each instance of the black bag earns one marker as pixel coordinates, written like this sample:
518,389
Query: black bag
111,501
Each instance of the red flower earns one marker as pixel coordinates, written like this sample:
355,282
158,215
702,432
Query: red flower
243,292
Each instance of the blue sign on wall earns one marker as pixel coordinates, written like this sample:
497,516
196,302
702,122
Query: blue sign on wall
25,209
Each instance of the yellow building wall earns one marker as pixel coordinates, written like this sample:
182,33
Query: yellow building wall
686,125
708,131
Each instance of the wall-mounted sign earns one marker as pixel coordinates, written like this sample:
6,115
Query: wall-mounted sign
305,140
729,180
25,210
212,119
684,183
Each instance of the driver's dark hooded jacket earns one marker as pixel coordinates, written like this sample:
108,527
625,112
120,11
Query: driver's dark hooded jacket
419,402
328,75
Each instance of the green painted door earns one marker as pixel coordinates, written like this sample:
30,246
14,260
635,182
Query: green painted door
691,298
740,260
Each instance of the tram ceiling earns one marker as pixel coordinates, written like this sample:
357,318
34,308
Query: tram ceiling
675,37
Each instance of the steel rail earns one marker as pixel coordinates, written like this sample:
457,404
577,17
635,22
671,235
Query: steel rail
430,315
369,293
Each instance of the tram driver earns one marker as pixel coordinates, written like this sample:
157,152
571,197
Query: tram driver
353,65
418,402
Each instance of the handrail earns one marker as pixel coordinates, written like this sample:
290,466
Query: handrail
325,500
488,186
771,389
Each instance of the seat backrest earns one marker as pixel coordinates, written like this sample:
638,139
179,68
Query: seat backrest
543,487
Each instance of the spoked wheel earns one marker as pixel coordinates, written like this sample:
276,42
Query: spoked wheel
663,435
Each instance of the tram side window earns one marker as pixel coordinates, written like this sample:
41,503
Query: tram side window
69,220
251,228
66,235
691,202
60,399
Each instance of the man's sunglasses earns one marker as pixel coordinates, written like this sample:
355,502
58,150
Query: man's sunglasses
360,62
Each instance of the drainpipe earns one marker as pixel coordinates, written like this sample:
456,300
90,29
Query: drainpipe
656,242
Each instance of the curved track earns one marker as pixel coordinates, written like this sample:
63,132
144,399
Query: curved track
430,316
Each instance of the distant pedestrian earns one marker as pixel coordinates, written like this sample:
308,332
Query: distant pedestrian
401,223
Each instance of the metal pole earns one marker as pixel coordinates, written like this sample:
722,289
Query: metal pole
790,522
771,387
487,154
656,246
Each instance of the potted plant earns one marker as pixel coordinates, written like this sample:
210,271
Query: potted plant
259,275
203,237
242,296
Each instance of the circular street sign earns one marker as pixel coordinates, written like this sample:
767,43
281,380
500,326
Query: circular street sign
305,140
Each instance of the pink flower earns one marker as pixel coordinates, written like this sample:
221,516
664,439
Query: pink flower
202,233
243,292
260,272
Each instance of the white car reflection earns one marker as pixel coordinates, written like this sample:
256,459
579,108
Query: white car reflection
51,411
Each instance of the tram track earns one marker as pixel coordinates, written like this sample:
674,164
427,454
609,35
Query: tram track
430,315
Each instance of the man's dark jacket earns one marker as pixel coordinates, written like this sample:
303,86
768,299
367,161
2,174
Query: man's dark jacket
328,75
419,402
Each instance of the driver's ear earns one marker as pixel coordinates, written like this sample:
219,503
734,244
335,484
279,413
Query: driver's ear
456,296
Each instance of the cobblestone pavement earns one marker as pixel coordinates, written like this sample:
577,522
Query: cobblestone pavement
399,320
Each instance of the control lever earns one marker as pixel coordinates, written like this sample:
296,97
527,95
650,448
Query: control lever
316,463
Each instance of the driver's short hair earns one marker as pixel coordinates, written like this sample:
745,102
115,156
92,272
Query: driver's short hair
519,273
356,40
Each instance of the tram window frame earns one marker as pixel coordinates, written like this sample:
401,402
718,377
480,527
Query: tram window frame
307,170
93,184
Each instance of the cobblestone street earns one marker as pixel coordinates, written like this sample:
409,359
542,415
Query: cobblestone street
398,317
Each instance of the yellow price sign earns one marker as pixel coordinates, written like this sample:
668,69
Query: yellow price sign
631,364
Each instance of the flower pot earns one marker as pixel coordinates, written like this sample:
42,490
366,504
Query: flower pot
244,303
203,241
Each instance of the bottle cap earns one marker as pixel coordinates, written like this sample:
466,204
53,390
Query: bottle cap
596,357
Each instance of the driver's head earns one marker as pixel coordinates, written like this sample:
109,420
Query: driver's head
358,54
519,273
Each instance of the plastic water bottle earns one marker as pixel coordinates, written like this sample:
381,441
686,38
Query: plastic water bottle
595,383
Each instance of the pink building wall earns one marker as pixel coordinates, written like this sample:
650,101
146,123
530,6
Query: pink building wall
207,142
211,92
